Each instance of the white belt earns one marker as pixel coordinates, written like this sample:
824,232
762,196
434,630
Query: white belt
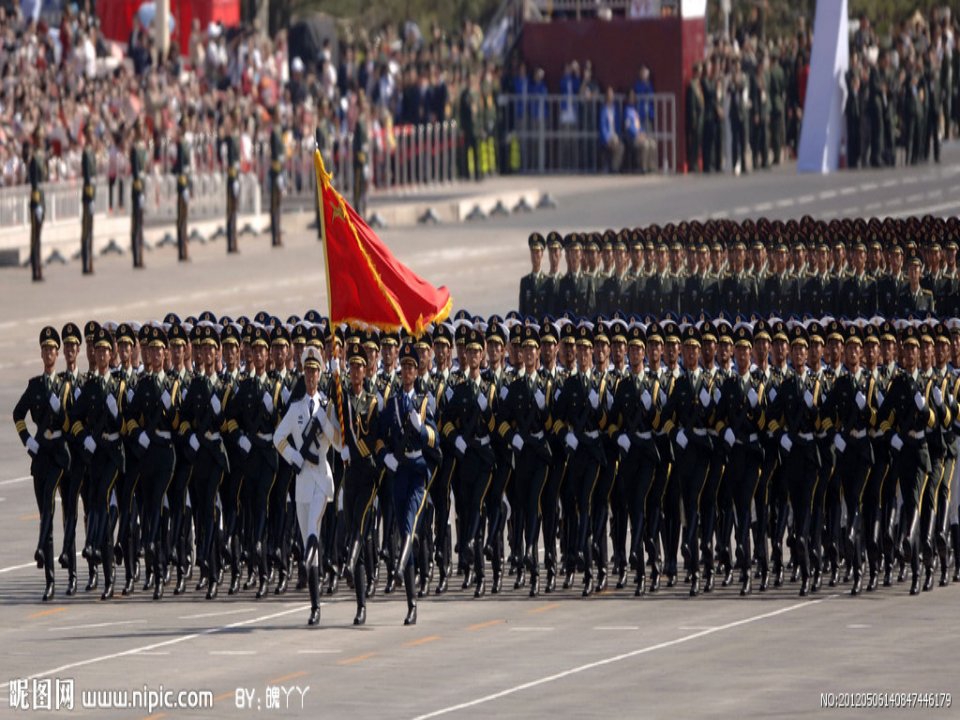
752,437
592,434
821,435
265,436
414,455
805,436
917,434
163,434
211,435
713,433
875,433
537,435
111,437
858,434
52,434
645,435
484,441
700,432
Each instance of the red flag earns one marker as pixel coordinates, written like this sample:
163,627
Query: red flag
366,283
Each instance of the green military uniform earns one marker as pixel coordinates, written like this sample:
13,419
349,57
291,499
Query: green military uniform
277,153
232,151
88,169
181,169
361,165
138,169
471,127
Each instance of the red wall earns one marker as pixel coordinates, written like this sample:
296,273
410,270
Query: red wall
116,17
617,49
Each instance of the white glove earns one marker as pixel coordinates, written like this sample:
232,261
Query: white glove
415,420
390,461
517,442
662,397
482,402
540,399
716,395
594,399
54,403
896,443
682,439
786,443
112,405
144,440
185,194
839,443
729,437
752,397
295,458
235,187
268,402
460,444
920,401
194,443
332,365
808,398
624,442
38,211
503,392
704,397
285,394
345,453
129,396
879,397
572,441
244,443
32,446
90,445
165,399
646,400
937,397
861,400
215,404
772,394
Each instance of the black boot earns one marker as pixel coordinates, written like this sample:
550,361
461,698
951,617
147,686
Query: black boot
408,586
72,585
313,585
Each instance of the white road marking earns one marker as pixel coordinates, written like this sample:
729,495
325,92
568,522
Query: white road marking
848,190
96,625
616,658
827,194
805,199
867,187
16,480
858,626
233,652
910,180
742,210
215,614
21,567
785,203
889,183
763,207
165,643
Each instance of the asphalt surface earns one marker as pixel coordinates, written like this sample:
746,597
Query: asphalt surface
667,655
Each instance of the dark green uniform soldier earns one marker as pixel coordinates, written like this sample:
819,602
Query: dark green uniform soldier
181,169
231,158
277,153
694,119
44,400
759,115
362,146
914,298
778,93
88,170
534,286
37,173
138,170
470,126
488,149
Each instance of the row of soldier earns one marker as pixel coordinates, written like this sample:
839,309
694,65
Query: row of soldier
659,272
245,440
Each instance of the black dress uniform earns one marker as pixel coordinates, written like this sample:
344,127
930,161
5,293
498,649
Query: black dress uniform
233,479
72,480
44,401
534,287
359,417
88,171
37,174
138,169
276,180
524,421
98,423
231,152
154,417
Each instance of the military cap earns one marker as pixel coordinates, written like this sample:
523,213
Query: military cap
311,358
536,241
473,340
571,241
71,333
356,354
870,335
230,335
177,335
654,332
671,332
761,330
189,320
49,337
370,339
496,333
815,332
708,331
584,334
554,239
940,333
171,318
909,335
798,335
156,337
339,335
529,336
208,316
259,336
568,332
690,335
103,338
409,354
853,335
90,329
315,336
460,333
516,333
125,334
389,338
312,316
636,335
293,319
601,332
195,334
833,331
243,321
742,335
208,334
778,330
618,331
724,331
549,332
424,341
926,332
262,317
143,334
298,336
443,334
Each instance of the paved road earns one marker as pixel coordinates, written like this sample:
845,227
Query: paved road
506,656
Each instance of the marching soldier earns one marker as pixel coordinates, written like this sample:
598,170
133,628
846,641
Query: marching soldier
230,379
37,173
138,170
534,287
362,151
44,400
277,152
72,480
88,171
181,168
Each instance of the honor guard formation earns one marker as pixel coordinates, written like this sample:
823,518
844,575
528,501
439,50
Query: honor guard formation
706,393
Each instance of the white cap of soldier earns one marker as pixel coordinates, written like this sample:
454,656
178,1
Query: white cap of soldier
311,357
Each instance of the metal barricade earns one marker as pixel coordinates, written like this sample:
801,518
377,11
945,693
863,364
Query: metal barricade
561,133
